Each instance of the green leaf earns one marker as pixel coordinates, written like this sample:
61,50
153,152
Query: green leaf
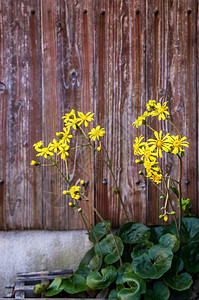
136,286
141,248
174,190
113,295
157,232
54,288
109,250
189,230
132,233
160,292
97,281
184,295
74,284
170,240
176,281
125,268
155,264
40,288
100,231
190,256
84,271
91,260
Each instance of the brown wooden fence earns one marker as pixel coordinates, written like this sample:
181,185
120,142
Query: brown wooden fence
105,56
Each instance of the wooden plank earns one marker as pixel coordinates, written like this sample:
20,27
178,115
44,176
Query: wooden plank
20,113
67,40
120,90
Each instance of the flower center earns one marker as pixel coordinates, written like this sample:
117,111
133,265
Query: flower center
177,144
161,110
159,143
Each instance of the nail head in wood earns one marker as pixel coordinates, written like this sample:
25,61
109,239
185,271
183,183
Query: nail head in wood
137,11
1,181
85,11
33,12
102,12
156,12
189,11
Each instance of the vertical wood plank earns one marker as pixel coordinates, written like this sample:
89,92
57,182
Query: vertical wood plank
21,73
67,41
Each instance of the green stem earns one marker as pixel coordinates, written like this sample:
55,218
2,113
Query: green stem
55,164
180,194
174,127
93,231
108,228
110,169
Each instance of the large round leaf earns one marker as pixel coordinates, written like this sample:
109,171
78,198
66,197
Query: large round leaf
184,295
157,232
100,231
176,281
170,240
74,284
125,268
136,286
109,250
141,248
132,233
54,288
97,281
91,260
155,264
189,230
160,292
190,255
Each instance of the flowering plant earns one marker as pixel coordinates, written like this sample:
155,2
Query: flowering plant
151,152
138,261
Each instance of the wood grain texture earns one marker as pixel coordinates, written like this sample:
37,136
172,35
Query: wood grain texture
104,56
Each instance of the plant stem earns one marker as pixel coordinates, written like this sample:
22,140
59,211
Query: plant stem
174,127
93,231
109,229
110,169
56,165
180,194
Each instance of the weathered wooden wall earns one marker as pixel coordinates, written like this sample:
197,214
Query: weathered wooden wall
105,56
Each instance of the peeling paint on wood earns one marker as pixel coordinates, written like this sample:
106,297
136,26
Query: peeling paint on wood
105,56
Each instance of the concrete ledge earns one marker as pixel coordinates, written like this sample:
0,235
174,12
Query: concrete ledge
34,251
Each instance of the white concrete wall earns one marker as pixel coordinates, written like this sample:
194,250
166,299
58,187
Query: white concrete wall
29,251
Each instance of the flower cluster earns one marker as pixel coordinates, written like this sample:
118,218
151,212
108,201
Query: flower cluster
151,150
60,145
153,109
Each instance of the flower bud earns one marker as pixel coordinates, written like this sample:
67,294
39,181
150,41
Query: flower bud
79,209
165,218
173,212
82,182
141,173
99,148
160,216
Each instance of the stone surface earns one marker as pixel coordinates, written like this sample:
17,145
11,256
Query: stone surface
31,251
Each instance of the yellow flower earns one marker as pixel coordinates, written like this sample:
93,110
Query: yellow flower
177,143
137,144
33,162
150,104
70,204
45,152
156,177
160,143
160,110
63,151
69,116
149,164
141,119
38,145
72,122
99,148
96,133
82,182
54,146
85,118
64,192
74,192
147,153
65,136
